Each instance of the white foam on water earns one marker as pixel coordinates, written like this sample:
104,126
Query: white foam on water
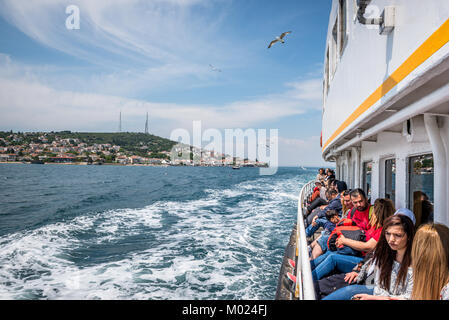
201,255
289,196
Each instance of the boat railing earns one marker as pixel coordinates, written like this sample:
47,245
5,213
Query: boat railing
304,289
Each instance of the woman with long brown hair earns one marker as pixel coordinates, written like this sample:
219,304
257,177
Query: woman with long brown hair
392,256
430,262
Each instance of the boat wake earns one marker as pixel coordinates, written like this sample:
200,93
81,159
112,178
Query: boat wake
227,245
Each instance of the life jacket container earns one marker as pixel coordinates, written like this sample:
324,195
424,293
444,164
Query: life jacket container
348,229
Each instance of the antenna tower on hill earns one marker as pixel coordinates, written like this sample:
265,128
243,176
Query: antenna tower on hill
146,125
120,123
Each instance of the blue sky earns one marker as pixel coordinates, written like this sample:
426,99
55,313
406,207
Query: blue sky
154,56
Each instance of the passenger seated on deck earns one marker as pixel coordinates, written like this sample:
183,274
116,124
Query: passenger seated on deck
346,203
334,204
320,201
430,263
328,182
337,185
329,174
340,186
383,208
332,261
343,286
321,175
360,212
316,191
319,246
393,259
323,192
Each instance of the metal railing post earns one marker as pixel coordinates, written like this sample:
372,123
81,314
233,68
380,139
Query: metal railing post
304,289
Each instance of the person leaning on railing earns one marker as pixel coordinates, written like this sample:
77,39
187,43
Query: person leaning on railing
321,176
330,175
334,204
320,200
319,246
316,191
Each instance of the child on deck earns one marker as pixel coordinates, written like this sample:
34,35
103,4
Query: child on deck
319,246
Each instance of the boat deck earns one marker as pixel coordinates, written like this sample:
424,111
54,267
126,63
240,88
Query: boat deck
285,288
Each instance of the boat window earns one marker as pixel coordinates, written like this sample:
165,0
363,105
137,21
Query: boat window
343,25
355,9
367,172
334,49
390,177
326,74
421,171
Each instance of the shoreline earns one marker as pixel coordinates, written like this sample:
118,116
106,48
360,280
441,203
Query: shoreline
125,165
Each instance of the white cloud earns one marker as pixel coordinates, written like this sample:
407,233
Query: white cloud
23,93
309,90
137,46
147,33
21,97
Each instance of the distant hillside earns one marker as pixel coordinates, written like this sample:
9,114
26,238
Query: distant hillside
102,147
128,141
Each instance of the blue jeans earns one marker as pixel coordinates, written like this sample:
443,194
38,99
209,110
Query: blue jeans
322,241
310,230
330,261
348,251
346,293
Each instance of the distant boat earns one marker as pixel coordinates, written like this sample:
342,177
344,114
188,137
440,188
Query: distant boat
235,167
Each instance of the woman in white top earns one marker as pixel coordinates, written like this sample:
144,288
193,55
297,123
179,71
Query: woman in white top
321,175
392,255
430,262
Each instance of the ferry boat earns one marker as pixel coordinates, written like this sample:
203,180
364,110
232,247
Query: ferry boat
385,115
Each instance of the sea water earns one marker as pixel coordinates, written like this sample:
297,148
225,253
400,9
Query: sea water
130,232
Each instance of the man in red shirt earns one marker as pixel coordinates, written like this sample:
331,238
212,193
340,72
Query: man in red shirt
361,214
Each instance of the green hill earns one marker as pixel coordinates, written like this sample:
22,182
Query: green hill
128,141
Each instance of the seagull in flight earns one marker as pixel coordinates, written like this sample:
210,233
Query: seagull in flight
214,69
267,144
280,38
